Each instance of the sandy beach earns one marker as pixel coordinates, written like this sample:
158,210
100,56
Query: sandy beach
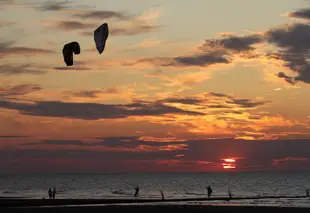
139,205
158,208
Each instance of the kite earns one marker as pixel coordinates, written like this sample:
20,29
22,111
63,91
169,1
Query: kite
68,51
101,35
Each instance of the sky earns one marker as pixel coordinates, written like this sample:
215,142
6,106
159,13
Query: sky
181,86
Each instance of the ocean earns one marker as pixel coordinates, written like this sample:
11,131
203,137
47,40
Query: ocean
174,185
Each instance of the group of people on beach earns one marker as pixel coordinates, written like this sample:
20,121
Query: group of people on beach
209,191
52,194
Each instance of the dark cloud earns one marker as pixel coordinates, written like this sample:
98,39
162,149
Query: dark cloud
199,60
216,101
92,111
9,69
216,51
13,136
134,30
8,48
74,25
288,79
114,31
202,60
263,153
292,41
20,89
302,13
59,143
133,27
54,6
246,103
78,66
94,93
190,100
84,155
294,44
220,95
135,143
234,43
128,31
83,14
127,143
101,15
293,38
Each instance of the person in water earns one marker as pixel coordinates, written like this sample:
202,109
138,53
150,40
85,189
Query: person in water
50,193
137,192
54,193
209,191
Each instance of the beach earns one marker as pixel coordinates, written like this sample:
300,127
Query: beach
26,202
158,208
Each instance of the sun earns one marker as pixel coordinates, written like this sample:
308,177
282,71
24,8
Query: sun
230,160
229,163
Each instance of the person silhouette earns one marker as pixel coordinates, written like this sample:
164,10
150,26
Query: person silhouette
229,194
54,193
50,193
137,191
162,195
209,191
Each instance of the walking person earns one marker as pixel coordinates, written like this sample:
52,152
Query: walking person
54,193
209,191
162,195
50,193
137,192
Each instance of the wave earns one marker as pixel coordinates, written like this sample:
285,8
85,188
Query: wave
7,192
121,192
195,193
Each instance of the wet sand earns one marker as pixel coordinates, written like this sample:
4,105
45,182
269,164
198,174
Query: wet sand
158,208
20,202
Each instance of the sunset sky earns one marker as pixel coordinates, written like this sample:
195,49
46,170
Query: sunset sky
182,86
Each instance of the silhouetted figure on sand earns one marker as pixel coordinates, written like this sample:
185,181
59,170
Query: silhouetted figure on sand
50,193
54,193
307,192
229,194
137,192
209,191
162,195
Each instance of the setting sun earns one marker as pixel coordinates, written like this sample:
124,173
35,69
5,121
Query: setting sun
229,163
229,160
229,166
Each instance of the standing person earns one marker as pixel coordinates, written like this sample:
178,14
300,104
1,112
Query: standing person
162,195
137,191
54,193
209,191
229,194
50,193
